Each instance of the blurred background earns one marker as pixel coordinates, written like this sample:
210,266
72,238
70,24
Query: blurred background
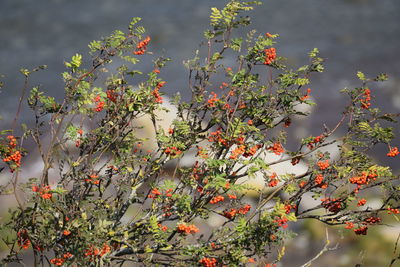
353,35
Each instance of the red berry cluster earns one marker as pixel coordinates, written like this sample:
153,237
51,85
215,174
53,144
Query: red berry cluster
12,141
99,104
276,148
232,196
142,46
208,262
306,96
93,252
333,205
319,181
289,207
187,229
78,141
239,150
270,56
217,137
393,152
233,212
154,193
196,172
201,152
230,214
112,95
361,202
365,102
93,179
163,227
349,225
316,140
217,199
364,179
44,191
282,222
362,230
60,261
57,261
12,155
23,239
172,151
245,209
323,164
372,220
251,151
273,180
158,98
393,211
213,100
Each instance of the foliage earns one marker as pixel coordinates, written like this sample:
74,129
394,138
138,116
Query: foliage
95,170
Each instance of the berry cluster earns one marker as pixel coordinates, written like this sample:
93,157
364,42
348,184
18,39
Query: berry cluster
187,229
233,212
270,56
112,95
361,202
364,179
239,150
57,261
60,261
393,211
44,191
362,230
372,220
217,199
23,239
323,164
319,181
217,137
273,180
276,148
142,46
306,96
93,179
316,140
213,100
172,151
333,205
208,262
365,102
393,152
12,155
93,252
163,227
99,104
201,152
154,193
282,222
158,98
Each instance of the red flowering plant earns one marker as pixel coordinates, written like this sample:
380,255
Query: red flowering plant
102,199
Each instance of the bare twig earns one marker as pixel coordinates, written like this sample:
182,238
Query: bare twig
326,248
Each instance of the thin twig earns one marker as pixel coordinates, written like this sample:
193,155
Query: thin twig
326,248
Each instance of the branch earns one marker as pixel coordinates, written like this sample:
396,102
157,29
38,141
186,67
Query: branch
326,248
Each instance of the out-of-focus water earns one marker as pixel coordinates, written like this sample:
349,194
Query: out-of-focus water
352,34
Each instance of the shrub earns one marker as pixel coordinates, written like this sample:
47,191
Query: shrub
102,199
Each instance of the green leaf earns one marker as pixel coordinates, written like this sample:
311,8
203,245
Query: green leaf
75,63
361,76
314,53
